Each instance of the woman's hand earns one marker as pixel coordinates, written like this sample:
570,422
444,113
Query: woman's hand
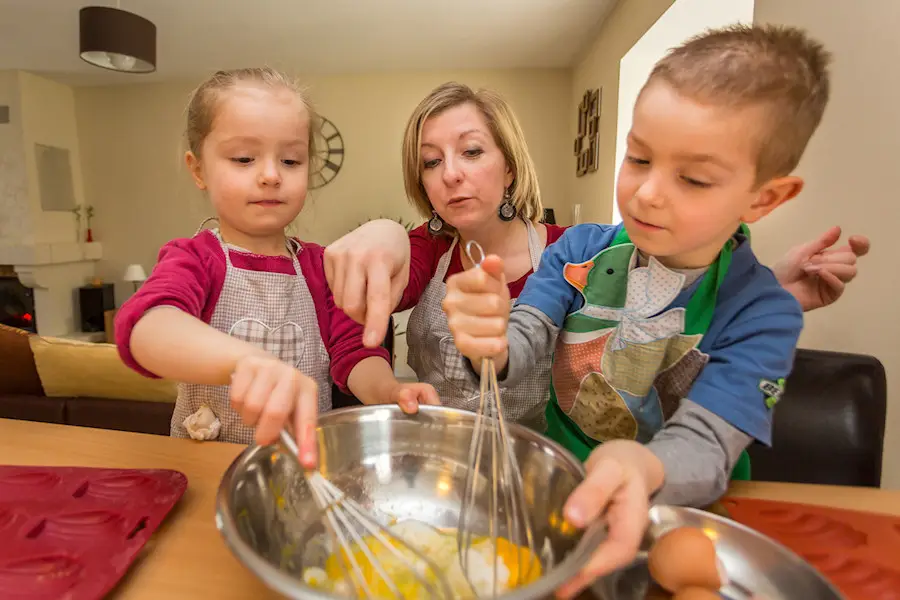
367,271
815,273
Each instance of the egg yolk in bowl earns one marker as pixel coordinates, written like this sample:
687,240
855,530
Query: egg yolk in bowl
412,577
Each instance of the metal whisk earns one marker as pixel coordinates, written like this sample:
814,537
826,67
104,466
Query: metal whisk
506,495
349,524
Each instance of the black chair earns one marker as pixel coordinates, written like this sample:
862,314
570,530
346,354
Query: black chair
829,425
338,398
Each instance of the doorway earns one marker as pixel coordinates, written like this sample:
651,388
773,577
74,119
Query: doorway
684,19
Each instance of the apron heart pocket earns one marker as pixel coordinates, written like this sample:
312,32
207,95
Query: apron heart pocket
284,341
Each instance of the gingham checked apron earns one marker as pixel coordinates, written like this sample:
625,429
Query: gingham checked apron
274,311
434,357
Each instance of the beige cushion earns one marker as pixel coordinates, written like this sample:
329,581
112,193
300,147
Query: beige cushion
71,368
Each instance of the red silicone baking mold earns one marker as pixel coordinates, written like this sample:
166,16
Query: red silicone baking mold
70,533
859,552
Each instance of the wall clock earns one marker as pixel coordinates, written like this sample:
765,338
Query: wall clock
329,155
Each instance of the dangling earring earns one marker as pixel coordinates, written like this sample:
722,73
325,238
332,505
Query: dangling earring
507,211
435,224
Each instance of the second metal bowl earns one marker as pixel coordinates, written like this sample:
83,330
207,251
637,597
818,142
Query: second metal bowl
757,567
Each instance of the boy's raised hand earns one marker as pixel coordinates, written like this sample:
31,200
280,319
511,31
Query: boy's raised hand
477,305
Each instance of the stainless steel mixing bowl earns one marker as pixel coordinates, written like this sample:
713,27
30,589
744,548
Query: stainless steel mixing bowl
754,563
397,465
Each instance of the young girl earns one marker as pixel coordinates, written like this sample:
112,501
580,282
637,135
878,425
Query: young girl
242,313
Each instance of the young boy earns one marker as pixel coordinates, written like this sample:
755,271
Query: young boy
672,342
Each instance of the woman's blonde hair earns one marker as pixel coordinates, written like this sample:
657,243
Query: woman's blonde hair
202,108
525,194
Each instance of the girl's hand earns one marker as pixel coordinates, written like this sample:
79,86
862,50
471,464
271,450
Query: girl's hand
410,395
267,393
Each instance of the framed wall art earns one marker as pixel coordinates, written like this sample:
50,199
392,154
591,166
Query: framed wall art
587,140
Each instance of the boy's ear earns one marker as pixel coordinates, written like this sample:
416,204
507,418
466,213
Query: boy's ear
772,195
193,165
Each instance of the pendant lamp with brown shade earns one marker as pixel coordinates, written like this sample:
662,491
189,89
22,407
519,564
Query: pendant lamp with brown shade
118,40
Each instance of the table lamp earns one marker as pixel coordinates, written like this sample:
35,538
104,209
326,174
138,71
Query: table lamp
135,274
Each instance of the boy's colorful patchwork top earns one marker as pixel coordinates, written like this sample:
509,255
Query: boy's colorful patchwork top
639,346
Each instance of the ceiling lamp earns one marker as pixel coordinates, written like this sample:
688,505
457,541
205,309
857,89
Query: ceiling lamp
117,40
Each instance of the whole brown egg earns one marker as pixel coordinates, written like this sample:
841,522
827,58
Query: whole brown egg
684,558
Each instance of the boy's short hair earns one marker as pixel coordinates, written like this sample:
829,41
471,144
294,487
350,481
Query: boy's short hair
744,65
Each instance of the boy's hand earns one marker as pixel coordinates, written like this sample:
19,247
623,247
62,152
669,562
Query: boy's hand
410,395
267,392
621,475
477,306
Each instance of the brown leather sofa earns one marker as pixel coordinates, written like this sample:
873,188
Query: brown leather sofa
829,427
23,394
143,405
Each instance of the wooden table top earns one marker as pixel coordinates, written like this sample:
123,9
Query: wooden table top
187,557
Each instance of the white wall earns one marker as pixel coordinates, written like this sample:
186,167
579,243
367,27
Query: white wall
684,19
16,217
850,168
48,117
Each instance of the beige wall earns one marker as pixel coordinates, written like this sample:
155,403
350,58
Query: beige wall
852,181
599,67
131,152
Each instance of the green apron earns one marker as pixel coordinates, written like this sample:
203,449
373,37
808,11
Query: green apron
630,391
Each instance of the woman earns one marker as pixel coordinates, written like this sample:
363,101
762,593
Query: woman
466,168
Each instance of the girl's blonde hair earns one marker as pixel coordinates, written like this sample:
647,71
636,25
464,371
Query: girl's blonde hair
201,111
525,194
